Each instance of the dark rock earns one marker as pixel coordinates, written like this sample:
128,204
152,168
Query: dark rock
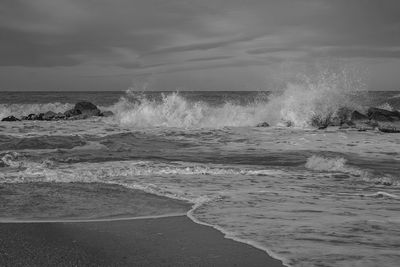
78,117
345,126
10,118
87,108
365,127
321,122
71,112
59,116
357,116
343,115
39,117
49,115
289,123
388,129
263,124
372,123
82,110
336,121
379,114
31,117
107,113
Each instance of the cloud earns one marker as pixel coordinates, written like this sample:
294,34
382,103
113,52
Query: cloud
209,58
153,36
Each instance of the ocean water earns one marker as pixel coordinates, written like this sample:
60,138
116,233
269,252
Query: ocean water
309,197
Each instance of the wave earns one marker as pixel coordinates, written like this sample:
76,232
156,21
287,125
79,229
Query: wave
382,194
80,172
298,105
19,110
338,164
395,96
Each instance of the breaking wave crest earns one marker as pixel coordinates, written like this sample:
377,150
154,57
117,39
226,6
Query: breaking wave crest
175,111
318,163
338,164
298,105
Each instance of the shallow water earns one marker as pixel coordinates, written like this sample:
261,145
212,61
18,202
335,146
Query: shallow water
309,197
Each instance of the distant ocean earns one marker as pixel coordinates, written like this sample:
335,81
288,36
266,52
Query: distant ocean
309,197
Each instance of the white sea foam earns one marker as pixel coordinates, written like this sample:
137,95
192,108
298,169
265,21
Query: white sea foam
297,105
386,106
95,172
381,194
337,164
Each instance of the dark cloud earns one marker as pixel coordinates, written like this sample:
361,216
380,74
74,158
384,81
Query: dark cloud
169,36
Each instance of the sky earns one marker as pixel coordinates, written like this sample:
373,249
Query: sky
194,44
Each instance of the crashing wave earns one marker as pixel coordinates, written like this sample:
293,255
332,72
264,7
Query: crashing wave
301,104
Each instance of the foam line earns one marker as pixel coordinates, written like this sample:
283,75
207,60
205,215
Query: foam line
230,235
94,220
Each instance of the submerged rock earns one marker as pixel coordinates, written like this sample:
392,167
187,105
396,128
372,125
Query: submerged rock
388,129
263,124
107,113
10,118
78,117
346,125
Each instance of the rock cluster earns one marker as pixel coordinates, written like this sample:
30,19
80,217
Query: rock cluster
81,110
375,119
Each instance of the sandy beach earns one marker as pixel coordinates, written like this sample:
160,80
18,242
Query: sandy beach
168,241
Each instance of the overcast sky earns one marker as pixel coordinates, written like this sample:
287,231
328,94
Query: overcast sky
193,44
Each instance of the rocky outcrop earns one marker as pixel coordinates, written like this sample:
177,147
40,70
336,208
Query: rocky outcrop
87,108
357,116
379,114
82,110
10,118
49,115
375,119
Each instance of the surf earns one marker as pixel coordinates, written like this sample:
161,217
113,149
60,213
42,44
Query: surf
299,104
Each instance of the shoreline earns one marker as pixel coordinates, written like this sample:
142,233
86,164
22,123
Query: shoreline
51,241
167,241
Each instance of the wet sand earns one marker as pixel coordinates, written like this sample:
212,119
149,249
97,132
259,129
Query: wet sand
168,241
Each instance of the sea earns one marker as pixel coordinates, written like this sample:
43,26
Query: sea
309,197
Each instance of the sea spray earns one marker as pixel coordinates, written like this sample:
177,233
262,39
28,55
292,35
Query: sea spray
303,103
173,110
314,100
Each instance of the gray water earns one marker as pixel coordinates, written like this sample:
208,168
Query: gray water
309,197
